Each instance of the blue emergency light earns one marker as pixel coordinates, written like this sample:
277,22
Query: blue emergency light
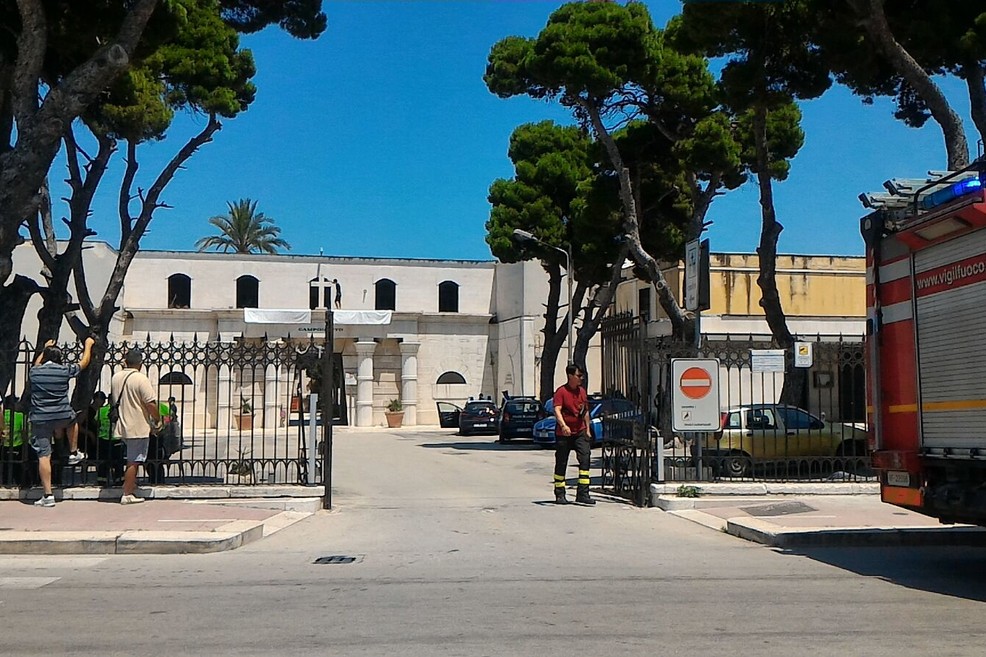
951,192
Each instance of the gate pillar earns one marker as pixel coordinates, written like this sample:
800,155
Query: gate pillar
364,382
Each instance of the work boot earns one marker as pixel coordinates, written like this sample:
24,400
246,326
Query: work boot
582,496
560,496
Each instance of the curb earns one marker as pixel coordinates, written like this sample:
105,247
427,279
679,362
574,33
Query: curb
764,533
170,493
760,488
227,537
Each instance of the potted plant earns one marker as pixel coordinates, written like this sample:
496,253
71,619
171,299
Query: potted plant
241,470
395,414
244,418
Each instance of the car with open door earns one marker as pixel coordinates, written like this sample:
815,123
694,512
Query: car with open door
448,415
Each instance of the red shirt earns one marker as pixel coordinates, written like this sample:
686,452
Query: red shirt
573,404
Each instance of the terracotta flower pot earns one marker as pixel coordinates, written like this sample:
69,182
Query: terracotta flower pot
394,419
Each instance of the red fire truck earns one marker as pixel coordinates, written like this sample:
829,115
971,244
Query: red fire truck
926,343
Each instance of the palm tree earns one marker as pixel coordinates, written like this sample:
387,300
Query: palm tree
244,230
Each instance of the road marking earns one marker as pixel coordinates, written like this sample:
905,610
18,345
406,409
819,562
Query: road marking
23,583
20,562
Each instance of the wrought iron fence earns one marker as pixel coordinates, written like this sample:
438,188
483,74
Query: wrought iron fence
239,413
627,442
814,430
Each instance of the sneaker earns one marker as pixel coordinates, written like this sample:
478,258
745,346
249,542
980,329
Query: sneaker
76,458
46,500
131,499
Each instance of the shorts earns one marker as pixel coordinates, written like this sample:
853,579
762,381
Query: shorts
137,449
42,432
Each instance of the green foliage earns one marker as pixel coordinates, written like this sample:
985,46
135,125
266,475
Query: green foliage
200,68
943,37
550,163
688,491
610,57
771,60
243,230
395,406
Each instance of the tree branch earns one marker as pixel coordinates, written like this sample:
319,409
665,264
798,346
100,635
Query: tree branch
31,45
631,222
131,242
975,78
876,25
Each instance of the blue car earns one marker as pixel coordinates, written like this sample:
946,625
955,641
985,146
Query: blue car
544,431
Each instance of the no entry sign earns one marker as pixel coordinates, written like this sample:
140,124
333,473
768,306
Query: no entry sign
695,394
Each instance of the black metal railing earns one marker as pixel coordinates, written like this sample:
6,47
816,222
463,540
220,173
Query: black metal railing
814,430
239,413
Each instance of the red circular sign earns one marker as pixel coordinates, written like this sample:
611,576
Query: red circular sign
695,383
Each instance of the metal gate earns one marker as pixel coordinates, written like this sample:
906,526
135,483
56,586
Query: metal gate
627,441
240,409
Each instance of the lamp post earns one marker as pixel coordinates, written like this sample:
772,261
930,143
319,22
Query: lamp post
524,236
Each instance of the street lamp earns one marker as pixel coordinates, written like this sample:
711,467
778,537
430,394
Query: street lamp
524,236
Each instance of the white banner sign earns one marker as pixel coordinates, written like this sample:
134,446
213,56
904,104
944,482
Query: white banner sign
767,361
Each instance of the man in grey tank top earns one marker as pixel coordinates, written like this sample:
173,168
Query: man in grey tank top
51,410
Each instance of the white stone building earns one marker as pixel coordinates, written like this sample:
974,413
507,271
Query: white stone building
417,330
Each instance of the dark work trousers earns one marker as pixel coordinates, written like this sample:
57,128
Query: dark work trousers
563,447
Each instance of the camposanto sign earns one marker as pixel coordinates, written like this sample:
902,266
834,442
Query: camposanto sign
695,394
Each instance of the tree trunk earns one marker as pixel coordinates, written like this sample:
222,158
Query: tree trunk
974,78
39,129
88,380
876,25
631,221
595,312
770,232
553,337
13,304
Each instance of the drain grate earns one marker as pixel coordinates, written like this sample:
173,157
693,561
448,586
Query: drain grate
778,509
336,559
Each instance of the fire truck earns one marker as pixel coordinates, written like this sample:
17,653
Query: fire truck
926,342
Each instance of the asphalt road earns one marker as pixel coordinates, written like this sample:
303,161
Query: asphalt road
457,552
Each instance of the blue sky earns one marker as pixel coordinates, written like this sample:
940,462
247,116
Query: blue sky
380,139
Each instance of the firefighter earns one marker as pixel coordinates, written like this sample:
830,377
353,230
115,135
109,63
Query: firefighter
572,432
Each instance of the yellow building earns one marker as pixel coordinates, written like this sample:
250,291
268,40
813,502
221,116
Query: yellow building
821,296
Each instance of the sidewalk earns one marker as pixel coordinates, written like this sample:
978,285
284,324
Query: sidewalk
803,518
81,523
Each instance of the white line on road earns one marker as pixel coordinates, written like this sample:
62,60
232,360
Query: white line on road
23,583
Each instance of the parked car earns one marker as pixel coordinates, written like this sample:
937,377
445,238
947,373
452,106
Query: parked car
544,431
479,417
771,433
518,416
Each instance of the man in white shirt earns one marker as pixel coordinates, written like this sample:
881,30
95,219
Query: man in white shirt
139,416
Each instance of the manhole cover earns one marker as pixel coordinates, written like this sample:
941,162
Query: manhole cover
337,559
779,509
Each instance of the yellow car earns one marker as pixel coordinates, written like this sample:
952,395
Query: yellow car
776,433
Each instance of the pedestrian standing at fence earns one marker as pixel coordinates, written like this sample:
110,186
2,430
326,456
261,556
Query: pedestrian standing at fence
572,432
139,415
51,411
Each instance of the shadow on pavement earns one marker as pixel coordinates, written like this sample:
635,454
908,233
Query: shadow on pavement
957,571
485,445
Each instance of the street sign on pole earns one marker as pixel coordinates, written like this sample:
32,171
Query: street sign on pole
697,275
803,356
695,394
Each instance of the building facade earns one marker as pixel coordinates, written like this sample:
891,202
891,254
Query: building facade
416,330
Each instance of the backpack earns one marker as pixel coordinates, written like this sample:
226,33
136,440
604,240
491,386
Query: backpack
114,414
